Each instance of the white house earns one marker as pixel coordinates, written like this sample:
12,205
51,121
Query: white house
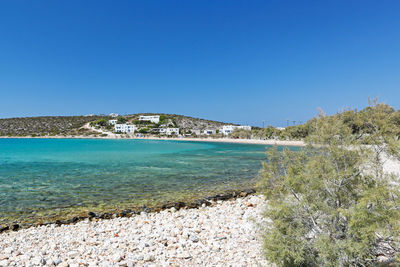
125,128
171,131
228,129
195,131
112,122
159,130
209,131
153,119
167,131
114,115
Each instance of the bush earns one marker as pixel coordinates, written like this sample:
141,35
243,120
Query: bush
331,204
101,122
122,120
144,130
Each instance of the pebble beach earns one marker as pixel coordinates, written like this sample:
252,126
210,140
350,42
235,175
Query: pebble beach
223,234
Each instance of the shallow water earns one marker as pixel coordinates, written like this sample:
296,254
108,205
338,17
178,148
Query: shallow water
49,178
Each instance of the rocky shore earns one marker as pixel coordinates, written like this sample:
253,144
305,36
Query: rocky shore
222,234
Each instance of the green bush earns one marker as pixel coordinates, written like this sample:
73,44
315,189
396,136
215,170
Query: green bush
122,120
331,204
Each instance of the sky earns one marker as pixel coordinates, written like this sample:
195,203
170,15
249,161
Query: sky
234,61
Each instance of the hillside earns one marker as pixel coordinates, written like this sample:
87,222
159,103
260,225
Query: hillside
185,122
49,125
73,125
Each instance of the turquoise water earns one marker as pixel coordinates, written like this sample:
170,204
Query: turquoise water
45,178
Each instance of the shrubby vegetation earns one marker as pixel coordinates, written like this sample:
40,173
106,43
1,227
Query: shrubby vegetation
331,204
121,120
357,121
240,134
51,125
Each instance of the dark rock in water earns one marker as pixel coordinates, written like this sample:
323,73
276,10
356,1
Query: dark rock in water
106,216
4,228
58,222
147,210
179,205
226,196
167,206
75,219
125,213
176,205
91,214
15,227
247,192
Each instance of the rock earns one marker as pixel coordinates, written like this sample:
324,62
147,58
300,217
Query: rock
194,238
117,257
91,214
15,227
186,255
186,237
8,251
4,263
42,261
148,257
4,228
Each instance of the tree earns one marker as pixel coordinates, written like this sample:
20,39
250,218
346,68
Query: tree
240,134
332,204
100,122
122,120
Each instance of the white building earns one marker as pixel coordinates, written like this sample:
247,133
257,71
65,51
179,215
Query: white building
114,115
196,131
159,130
209,131
228,129
167,131
112,122
153,119
171,131
124,128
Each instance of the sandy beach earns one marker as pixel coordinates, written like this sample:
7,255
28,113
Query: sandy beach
222,140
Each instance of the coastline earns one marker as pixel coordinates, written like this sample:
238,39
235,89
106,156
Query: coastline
186,237
220,140
119,213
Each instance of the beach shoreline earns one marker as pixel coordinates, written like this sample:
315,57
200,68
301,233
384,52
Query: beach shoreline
200,236
219,140
107,214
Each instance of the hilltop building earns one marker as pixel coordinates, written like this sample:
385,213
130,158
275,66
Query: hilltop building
114,115
124,128
153,119
112,122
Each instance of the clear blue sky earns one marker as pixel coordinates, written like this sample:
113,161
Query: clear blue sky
234,61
